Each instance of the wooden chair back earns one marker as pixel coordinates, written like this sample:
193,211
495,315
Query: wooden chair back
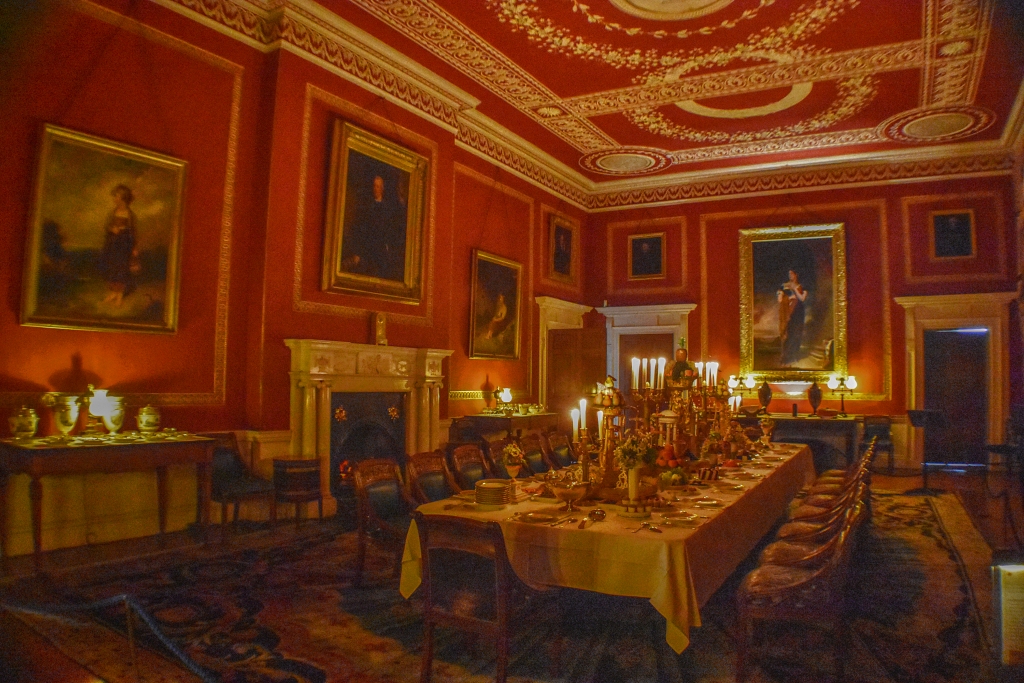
429,477
560,449
535,450
469,465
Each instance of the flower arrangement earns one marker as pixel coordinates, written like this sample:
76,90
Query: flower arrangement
513,455
636,451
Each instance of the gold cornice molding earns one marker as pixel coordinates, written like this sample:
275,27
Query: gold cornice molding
304,28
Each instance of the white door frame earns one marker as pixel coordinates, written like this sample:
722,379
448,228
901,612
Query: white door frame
658,319
990,311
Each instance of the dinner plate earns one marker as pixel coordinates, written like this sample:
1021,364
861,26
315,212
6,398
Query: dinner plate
679,514
538,518
465,495
708,503
742,476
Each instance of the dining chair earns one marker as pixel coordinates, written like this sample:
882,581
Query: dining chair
231,480
879,428
469,466
560,449
815,596
493,454
298,482
383,510
469,584
429,477
535,453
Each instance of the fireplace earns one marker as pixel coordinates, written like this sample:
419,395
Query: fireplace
389,399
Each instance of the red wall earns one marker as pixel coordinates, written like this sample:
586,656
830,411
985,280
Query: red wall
165,83
161,81
886,250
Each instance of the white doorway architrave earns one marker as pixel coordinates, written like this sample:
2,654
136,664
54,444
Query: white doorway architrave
990,311
656,319
555,314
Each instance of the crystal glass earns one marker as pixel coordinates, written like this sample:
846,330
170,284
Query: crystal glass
113,419
65,414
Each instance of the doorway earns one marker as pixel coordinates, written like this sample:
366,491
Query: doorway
956,365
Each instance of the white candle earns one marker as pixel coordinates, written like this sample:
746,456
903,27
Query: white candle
643,376
575,414
661,373
700,372
636,373
653,365
600,424
583,413
713,373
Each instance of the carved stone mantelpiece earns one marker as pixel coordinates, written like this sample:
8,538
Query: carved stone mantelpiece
320,368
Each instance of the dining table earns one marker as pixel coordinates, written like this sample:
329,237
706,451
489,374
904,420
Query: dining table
677,566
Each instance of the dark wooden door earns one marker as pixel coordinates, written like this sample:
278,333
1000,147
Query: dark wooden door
956,383
576,362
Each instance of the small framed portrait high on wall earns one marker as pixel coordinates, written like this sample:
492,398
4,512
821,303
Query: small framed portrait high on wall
952,234
104,246
375,213
563,249
647,256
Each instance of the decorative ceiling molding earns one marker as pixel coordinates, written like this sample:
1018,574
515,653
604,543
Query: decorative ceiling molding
304,28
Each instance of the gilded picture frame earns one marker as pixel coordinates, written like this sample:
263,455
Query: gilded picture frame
563,250
647,256
103,250
495,307
793,302
373,237
952,235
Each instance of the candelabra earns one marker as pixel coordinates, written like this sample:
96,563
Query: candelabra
842,386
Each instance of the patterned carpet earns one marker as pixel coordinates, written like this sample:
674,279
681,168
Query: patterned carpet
273,612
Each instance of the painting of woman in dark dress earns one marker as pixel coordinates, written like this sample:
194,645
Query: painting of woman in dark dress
103,251
793,301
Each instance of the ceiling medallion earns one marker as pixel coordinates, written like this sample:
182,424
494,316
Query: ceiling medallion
670,10
626,161
936,124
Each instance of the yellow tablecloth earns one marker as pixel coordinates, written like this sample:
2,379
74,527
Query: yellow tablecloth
678,570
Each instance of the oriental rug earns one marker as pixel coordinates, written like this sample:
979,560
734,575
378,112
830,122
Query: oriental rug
277,612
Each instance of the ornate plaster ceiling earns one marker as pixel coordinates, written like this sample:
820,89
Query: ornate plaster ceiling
631,88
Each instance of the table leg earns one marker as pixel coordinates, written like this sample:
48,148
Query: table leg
204,482
3,522
35,495
161,498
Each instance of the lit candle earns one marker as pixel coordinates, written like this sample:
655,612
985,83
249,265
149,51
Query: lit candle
653,363
583,413
643,375
661,373
636,373
600,424
700,372
575,414
712,373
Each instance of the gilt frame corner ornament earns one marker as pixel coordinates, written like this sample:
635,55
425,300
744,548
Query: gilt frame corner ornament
495,307
796,330
103,251
374,231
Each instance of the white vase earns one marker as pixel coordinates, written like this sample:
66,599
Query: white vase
633,482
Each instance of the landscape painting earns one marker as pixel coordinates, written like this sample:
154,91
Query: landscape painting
103,248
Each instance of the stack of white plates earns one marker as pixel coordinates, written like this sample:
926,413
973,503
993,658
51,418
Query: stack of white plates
492,492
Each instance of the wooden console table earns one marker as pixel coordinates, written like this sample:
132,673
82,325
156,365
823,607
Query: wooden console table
39,459
513,425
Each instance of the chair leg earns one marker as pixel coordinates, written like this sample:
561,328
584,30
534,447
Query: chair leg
501,667
428,651
360,558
